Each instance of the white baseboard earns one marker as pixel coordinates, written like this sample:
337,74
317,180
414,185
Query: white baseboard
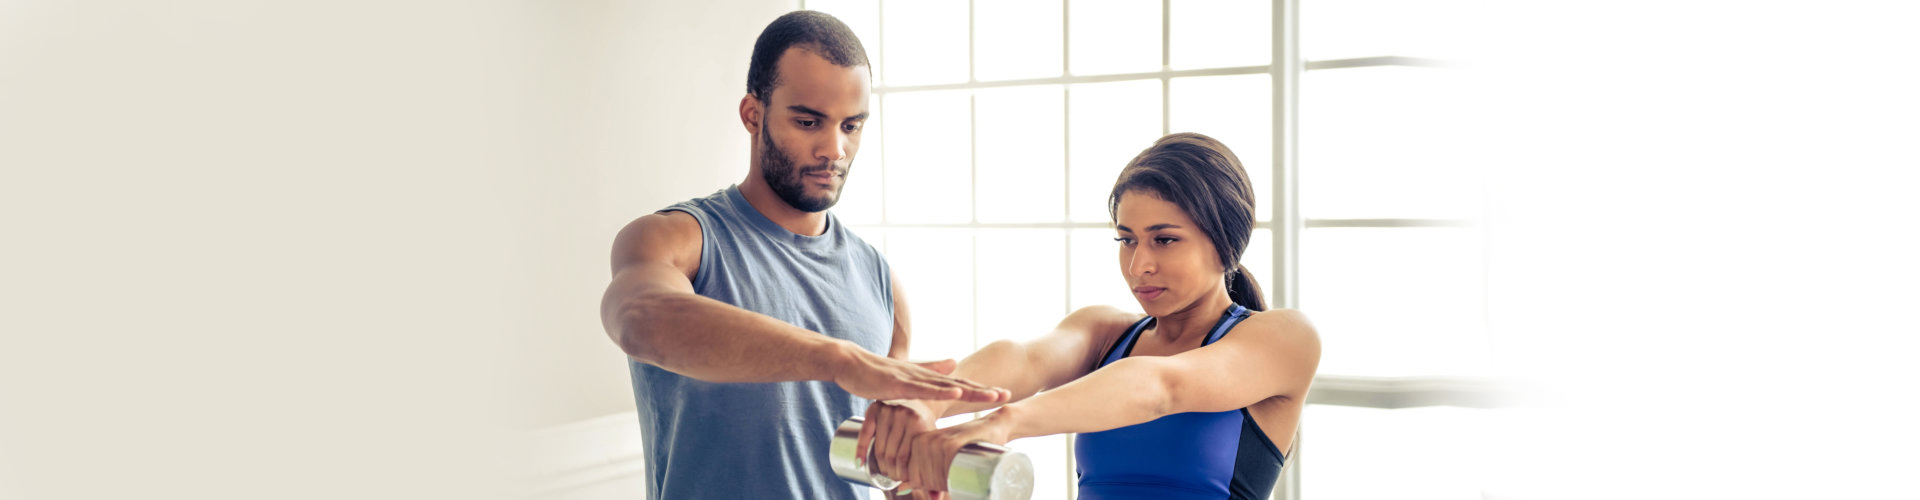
585,453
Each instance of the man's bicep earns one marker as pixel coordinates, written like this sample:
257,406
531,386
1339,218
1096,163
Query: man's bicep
647,277
649,256
649,261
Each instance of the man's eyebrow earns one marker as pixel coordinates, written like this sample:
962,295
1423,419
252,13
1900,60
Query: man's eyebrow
806,110
817,114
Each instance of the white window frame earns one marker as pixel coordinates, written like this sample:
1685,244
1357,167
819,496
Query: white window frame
1286,222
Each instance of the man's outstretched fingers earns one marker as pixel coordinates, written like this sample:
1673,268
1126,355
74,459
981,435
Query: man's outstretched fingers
976,393
937,392
944,366
969,390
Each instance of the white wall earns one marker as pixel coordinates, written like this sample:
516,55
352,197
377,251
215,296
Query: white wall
642,114
344,249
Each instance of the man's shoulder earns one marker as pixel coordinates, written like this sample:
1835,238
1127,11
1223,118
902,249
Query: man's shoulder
664,224
716,201
672,235
676,221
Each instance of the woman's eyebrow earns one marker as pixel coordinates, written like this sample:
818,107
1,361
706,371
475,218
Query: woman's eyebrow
1155,227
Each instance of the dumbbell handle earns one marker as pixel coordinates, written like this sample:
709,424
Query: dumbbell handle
981,471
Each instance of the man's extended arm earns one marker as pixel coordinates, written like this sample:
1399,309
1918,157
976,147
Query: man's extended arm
651,311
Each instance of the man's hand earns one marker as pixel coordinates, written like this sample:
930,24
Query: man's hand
889,429
880,378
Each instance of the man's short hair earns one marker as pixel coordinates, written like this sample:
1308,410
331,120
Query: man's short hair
814,31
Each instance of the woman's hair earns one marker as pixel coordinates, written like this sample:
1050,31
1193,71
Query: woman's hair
1202,177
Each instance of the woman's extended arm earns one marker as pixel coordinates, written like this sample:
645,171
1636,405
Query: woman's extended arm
1059,357
1271,354
1023,368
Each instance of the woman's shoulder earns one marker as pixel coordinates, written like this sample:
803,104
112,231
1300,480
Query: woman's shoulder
1104,317
1284,325
1282,315
1101,325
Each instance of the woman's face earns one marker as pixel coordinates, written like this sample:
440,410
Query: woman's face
1164,257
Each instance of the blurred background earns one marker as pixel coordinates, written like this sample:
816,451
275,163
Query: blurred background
356,249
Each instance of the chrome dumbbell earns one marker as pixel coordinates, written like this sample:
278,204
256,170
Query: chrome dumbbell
981,471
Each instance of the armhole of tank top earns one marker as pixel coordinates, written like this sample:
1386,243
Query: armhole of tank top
700,275
1133,337
1261,433
1227,322
1130,333
886,278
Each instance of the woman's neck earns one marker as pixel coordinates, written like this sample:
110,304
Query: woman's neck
1195,320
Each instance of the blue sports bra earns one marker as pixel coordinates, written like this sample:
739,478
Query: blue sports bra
1191,455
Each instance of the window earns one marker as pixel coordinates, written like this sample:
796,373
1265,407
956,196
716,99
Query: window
1000,125
1394,252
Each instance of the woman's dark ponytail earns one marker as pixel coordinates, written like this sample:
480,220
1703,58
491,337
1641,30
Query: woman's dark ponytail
1244,290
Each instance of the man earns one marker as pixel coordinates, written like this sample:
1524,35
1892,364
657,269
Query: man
753,319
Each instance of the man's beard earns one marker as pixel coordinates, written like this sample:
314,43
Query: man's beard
789,182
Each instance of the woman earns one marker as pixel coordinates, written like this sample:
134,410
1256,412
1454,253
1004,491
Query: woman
1197,398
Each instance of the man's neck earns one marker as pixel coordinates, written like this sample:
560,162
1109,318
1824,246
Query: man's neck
770,205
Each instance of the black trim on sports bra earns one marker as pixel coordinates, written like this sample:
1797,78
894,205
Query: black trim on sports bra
1133,338
1262,433
1131,331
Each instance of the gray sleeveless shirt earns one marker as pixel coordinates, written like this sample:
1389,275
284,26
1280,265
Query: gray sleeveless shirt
713,440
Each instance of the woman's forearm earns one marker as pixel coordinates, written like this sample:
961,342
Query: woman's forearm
1000,364
1127,392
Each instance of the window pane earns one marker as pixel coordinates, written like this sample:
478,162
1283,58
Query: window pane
935,267
1052,470
929,165
876,236
861,197
1391,142
926,41
1096,271
1436,453
1022,280
1396,301
1341,29
1113,36
1021,158
1238,111
861,15
1014,39
1108,124
1221,33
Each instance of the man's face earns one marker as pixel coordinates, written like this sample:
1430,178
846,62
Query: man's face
811,129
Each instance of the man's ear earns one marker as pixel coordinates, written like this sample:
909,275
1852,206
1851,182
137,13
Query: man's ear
751,112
